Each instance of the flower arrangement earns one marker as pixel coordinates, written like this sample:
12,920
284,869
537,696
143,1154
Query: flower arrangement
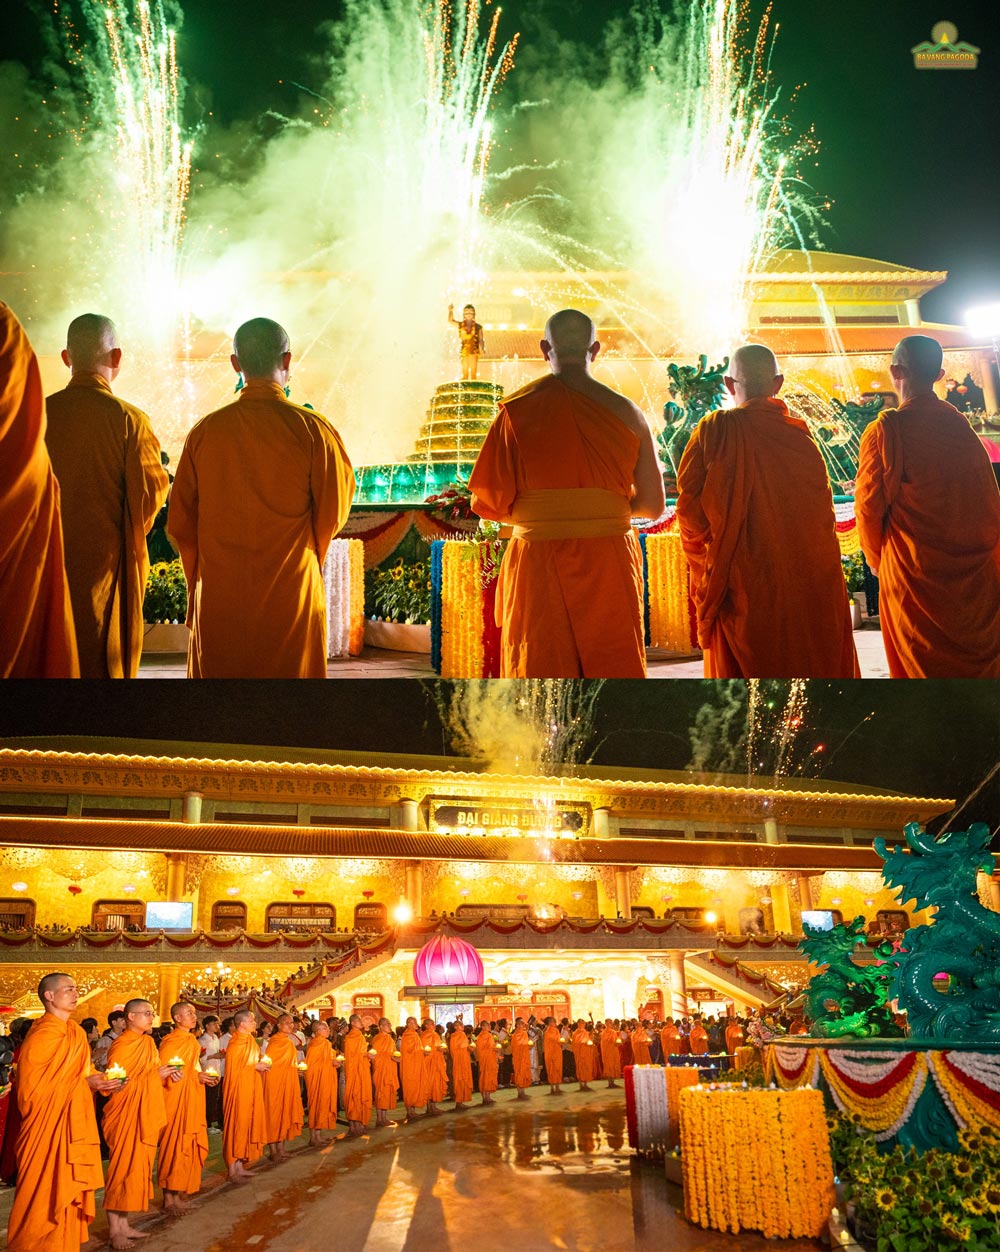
761,1031
454,504
166,593
401,592
854,570
906,1202
667,591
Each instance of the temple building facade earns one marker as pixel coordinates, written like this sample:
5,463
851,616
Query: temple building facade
146,867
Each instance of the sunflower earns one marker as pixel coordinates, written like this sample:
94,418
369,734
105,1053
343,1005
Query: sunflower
991,1198
970,1141
963,1167
974,1204
885,1199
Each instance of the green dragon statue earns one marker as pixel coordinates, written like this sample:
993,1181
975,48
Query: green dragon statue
847,999
963,942
840,437
700,391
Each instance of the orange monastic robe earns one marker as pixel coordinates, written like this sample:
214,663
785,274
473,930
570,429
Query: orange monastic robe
670,1039
412,1068
435,1070
184,1146
488,1059
583,1054
321,1084
385,1075
282,1093
112,485
357,1077
698,1040
37,639
262,487
58,1149
734,1036
134,1118
611,1052
461,1066
640,1047
559,467
552,1048
520,1050
244,1121
757,523
928,513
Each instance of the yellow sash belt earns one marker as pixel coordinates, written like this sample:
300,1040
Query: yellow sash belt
570,513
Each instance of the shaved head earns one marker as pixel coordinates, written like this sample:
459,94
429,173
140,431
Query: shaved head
90,340
241,1016
755,368
921,357
355,1020
570,334
259,346
51,982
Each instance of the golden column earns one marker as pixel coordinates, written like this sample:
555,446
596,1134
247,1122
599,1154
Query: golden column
781,907
170,975
623,895
678,985
415,887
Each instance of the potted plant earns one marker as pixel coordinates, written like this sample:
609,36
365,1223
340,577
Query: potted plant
398,607
164,608
854,576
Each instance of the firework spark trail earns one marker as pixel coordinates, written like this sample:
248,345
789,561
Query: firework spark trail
523,726
135,88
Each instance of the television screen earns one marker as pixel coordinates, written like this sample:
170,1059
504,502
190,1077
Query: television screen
818,919
167,915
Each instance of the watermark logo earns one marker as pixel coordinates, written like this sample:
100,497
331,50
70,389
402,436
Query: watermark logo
945,51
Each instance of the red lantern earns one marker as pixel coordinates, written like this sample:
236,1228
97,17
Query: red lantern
447,962
73,889
298,892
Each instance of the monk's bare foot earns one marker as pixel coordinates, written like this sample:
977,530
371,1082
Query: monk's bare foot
584,1087
175,1203
433,1112
461,1108
120,1242
522,1095
612,1083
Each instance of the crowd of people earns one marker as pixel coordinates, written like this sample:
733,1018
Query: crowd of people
753,495
142,1096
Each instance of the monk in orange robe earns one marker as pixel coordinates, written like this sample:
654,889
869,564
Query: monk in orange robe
134,1118
734,1036
640,1045
262,487
112,485
321,1082
757,523
611,1052
461,1068
37,639
385,1072
244,1121
412,1069
552,1049
488,1060
698,1038
435,1070
670,1038
357,1079
584,1055
928,513
568,462
184,1146
282,1092
58,1148
520,1050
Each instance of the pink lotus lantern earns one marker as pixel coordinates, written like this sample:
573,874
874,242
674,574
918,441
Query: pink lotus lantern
447,962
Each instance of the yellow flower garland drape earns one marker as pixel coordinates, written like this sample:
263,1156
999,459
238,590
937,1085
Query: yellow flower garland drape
756,1160
462,609
667,590
678,1076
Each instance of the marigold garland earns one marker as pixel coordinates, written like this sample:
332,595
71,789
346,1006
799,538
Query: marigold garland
969,1083
881,1092
344,584
782,1186
792,1067
667,591
462,609
678,1076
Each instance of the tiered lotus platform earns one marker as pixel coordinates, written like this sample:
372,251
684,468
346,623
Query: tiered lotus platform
459,416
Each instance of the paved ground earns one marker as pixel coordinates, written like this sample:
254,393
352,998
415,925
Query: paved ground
554,1172
380,663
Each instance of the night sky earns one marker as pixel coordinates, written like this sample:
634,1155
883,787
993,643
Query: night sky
926,738
908,157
